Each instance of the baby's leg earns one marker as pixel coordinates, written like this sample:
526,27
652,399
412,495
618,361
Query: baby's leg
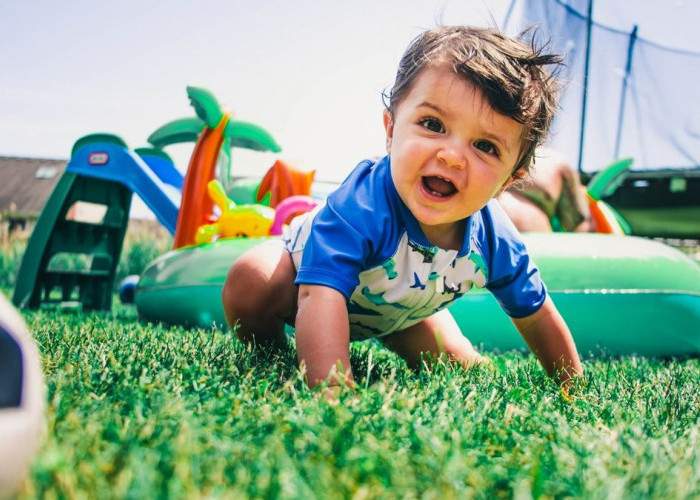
434,335
259,294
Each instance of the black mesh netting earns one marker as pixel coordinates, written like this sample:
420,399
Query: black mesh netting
646,106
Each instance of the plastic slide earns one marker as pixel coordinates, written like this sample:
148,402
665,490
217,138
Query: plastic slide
104,156
162,165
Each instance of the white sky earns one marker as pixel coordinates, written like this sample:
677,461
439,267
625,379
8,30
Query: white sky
309,71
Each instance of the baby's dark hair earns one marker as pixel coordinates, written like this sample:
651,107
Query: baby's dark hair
510,72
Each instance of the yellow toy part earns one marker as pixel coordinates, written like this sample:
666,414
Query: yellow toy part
206,233
235,221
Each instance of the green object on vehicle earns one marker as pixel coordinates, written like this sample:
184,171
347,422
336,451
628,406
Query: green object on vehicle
660,203
605,182
619,294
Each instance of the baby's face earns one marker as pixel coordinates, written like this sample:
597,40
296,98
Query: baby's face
450,151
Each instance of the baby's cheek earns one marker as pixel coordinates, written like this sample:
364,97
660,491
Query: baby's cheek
416,148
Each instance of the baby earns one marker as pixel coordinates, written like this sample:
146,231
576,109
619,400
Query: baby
406,235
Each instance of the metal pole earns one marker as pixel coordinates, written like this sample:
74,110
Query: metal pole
623,97
589,25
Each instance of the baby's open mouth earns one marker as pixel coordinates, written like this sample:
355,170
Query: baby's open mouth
437,186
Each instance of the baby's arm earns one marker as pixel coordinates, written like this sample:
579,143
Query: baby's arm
548,336
323,335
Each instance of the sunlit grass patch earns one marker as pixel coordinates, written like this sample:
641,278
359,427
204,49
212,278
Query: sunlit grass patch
148,411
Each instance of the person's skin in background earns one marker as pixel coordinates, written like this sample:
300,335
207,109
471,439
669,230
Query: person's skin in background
551,189
449,154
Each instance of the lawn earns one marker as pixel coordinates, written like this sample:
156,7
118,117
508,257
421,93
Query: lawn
137,410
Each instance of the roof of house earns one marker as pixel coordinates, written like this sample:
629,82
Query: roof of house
27,183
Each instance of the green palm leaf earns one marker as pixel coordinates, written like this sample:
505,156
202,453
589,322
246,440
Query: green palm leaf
250,136
205,105
177,131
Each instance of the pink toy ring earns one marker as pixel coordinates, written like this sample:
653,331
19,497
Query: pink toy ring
289,206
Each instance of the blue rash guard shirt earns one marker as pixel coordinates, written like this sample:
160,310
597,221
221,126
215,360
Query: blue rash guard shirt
365,243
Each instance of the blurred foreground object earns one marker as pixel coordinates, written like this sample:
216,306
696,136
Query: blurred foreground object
21,399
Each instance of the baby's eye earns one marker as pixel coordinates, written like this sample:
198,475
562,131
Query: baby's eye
432,124
487,147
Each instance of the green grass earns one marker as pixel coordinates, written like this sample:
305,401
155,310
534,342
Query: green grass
144,411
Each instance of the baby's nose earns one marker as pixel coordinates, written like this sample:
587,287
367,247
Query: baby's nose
452,156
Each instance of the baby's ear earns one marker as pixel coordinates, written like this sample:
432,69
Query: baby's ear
389,128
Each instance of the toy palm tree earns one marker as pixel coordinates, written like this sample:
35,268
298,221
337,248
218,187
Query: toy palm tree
215,134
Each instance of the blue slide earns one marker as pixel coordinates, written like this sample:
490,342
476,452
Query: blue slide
104,156
162,165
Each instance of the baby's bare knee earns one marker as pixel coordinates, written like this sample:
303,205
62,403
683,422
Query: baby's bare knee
258,295
242,295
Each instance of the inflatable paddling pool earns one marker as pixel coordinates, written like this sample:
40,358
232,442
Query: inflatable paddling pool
619,295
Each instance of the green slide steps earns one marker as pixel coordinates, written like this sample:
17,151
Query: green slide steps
73,252
97,245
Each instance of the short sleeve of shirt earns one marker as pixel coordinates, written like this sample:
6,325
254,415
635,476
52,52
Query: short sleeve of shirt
334,253
340,242
514,278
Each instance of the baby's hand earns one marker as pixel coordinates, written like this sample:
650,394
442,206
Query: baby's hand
332,393
572,387
336,385
482,364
